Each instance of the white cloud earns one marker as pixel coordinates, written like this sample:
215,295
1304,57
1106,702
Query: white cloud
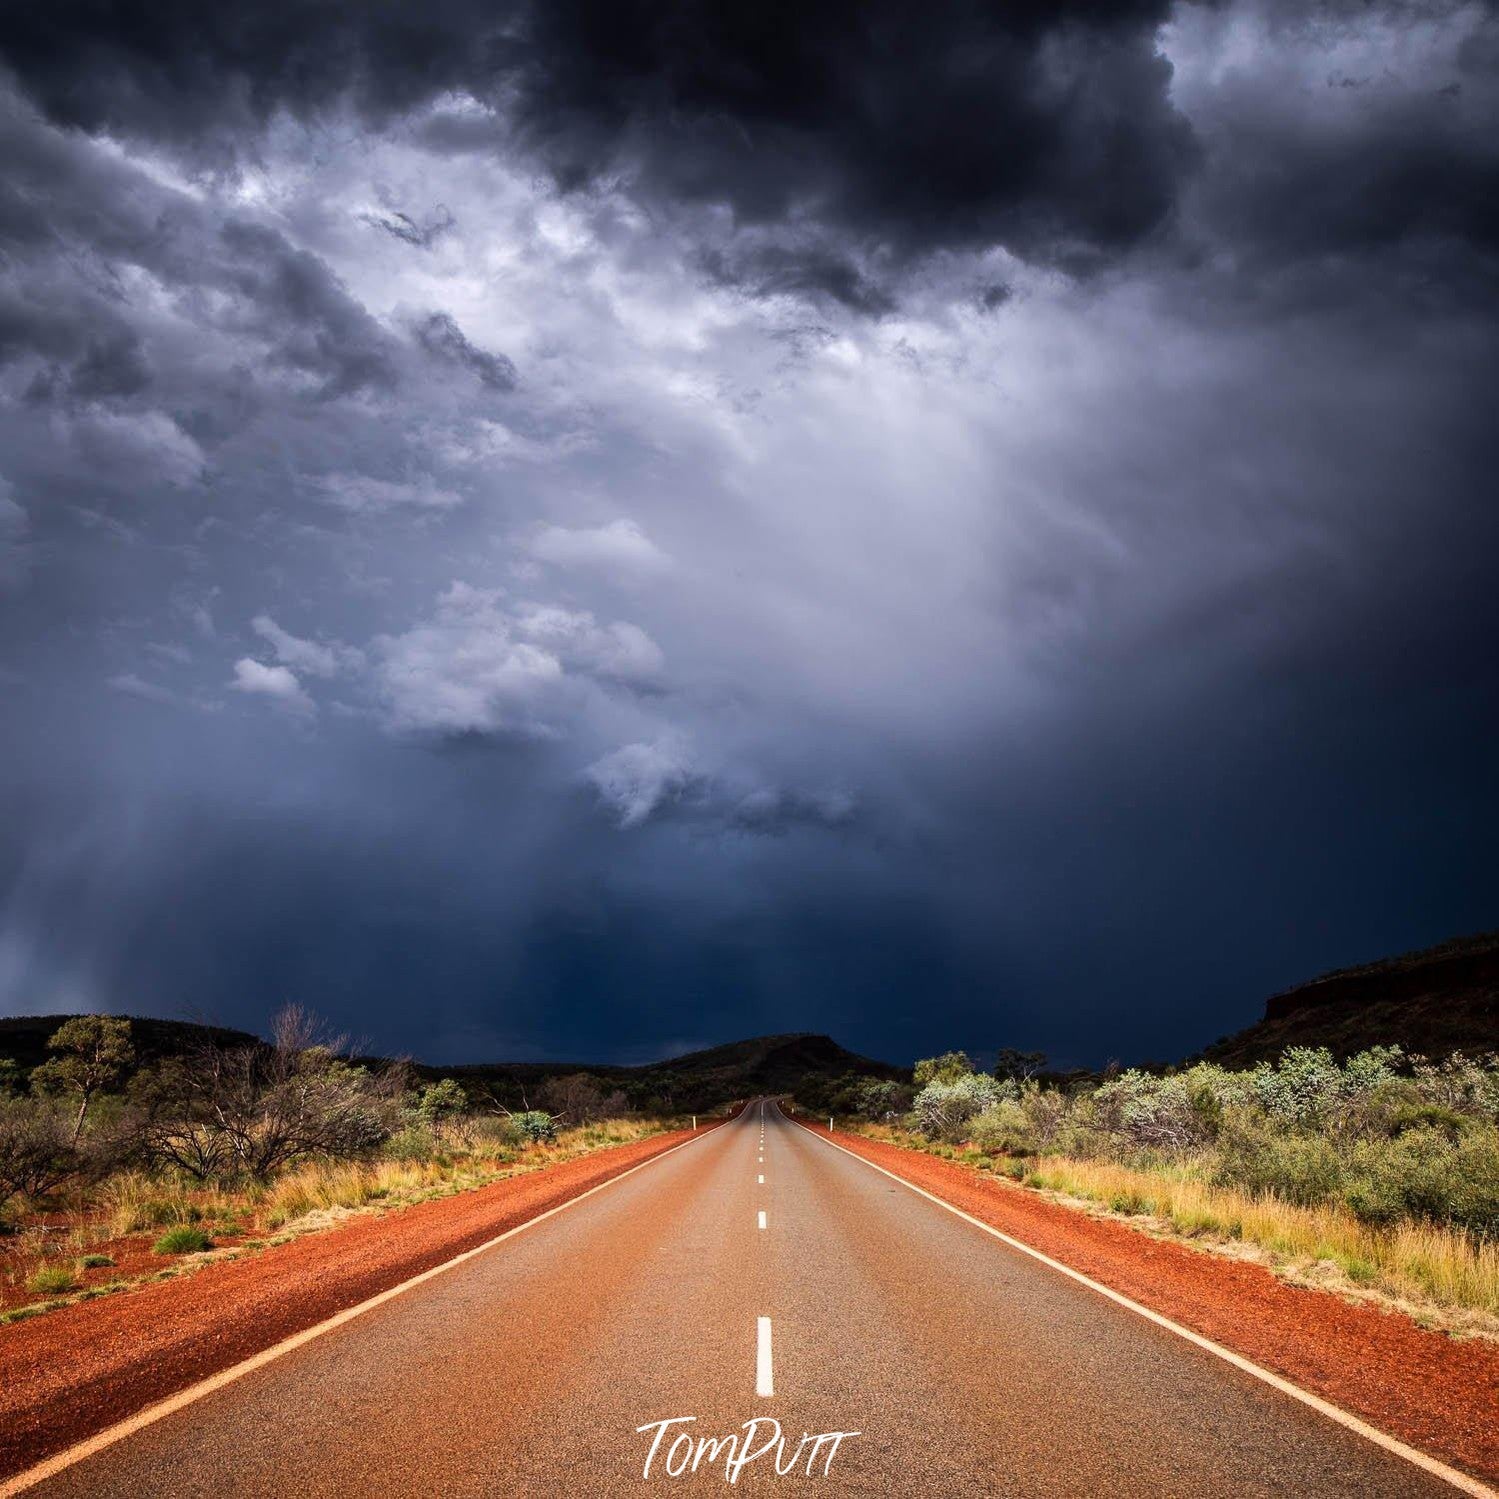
360,493
620,651
170,650
307,656
133,685
145,444
619,547
636,779
152,692
482,665
275,682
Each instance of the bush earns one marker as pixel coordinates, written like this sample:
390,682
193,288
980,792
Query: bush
943,1109
183,1240
1389,1140
1426,1173
36,1148
415,1142
95,1262
535,1126
493,1134
52,1280
1301,1168
948,1068
252,1110
579,1099
1004,1127
1177,1113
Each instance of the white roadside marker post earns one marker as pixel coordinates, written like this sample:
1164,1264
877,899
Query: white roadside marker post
694,1121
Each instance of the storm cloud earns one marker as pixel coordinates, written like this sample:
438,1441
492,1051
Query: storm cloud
586,528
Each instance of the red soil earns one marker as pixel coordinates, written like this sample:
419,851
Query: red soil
1438,1394
72,1372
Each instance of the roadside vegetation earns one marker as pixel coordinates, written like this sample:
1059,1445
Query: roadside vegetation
114,1170
1380,1172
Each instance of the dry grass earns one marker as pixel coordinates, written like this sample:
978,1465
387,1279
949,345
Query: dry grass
1420,1265
39,1257
134,1202
324,1187
1413,1261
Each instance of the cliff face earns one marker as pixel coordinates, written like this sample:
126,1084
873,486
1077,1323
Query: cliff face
1435,1001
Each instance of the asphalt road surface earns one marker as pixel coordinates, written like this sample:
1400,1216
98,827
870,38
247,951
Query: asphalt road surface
754,1273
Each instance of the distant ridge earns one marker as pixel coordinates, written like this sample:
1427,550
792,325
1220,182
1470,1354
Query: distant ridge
23,1038
696,1080
736,1069
1435,1001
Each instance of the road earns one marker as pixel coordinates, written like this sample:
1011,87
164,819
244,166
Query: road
756,1272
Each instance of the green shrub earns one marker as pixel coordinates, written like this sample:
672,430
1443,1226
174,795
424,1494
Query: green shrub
95,1262
52,1280
1426,1173
183,1240
494,1135
414,1143
535,1126
1004,1128
1301,1168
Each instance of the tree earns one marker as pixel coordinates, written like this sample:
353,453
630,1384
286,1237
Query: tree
252,1110
441,1100
94,1051
1018,1066
36,1153
947,1068
578,1098
878,1098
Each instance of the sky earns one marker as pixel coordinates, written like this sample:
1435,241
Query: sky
586,529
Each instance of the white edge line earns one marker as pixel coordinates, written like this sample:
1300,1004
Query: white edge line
1459,1480
55,1464
765,1384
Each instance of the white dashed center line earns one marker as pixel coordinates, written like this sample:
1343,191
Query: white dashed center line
762,1218
764,1380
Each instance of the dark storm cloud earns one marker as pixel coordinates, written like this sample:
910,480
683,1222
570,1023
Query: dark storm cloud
113,366
1045,128
402,226
862,616
806,271
72,223
1391,159
846,138
442,338
309,320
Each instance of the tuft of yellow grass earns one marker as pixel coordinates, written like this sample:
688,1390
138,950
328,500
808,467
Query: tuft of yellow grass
135,1202
320,1186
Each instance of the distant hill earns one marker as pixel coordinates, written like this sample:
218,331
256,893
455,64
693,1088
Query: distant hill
23,1038
1435,1001
698,1080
